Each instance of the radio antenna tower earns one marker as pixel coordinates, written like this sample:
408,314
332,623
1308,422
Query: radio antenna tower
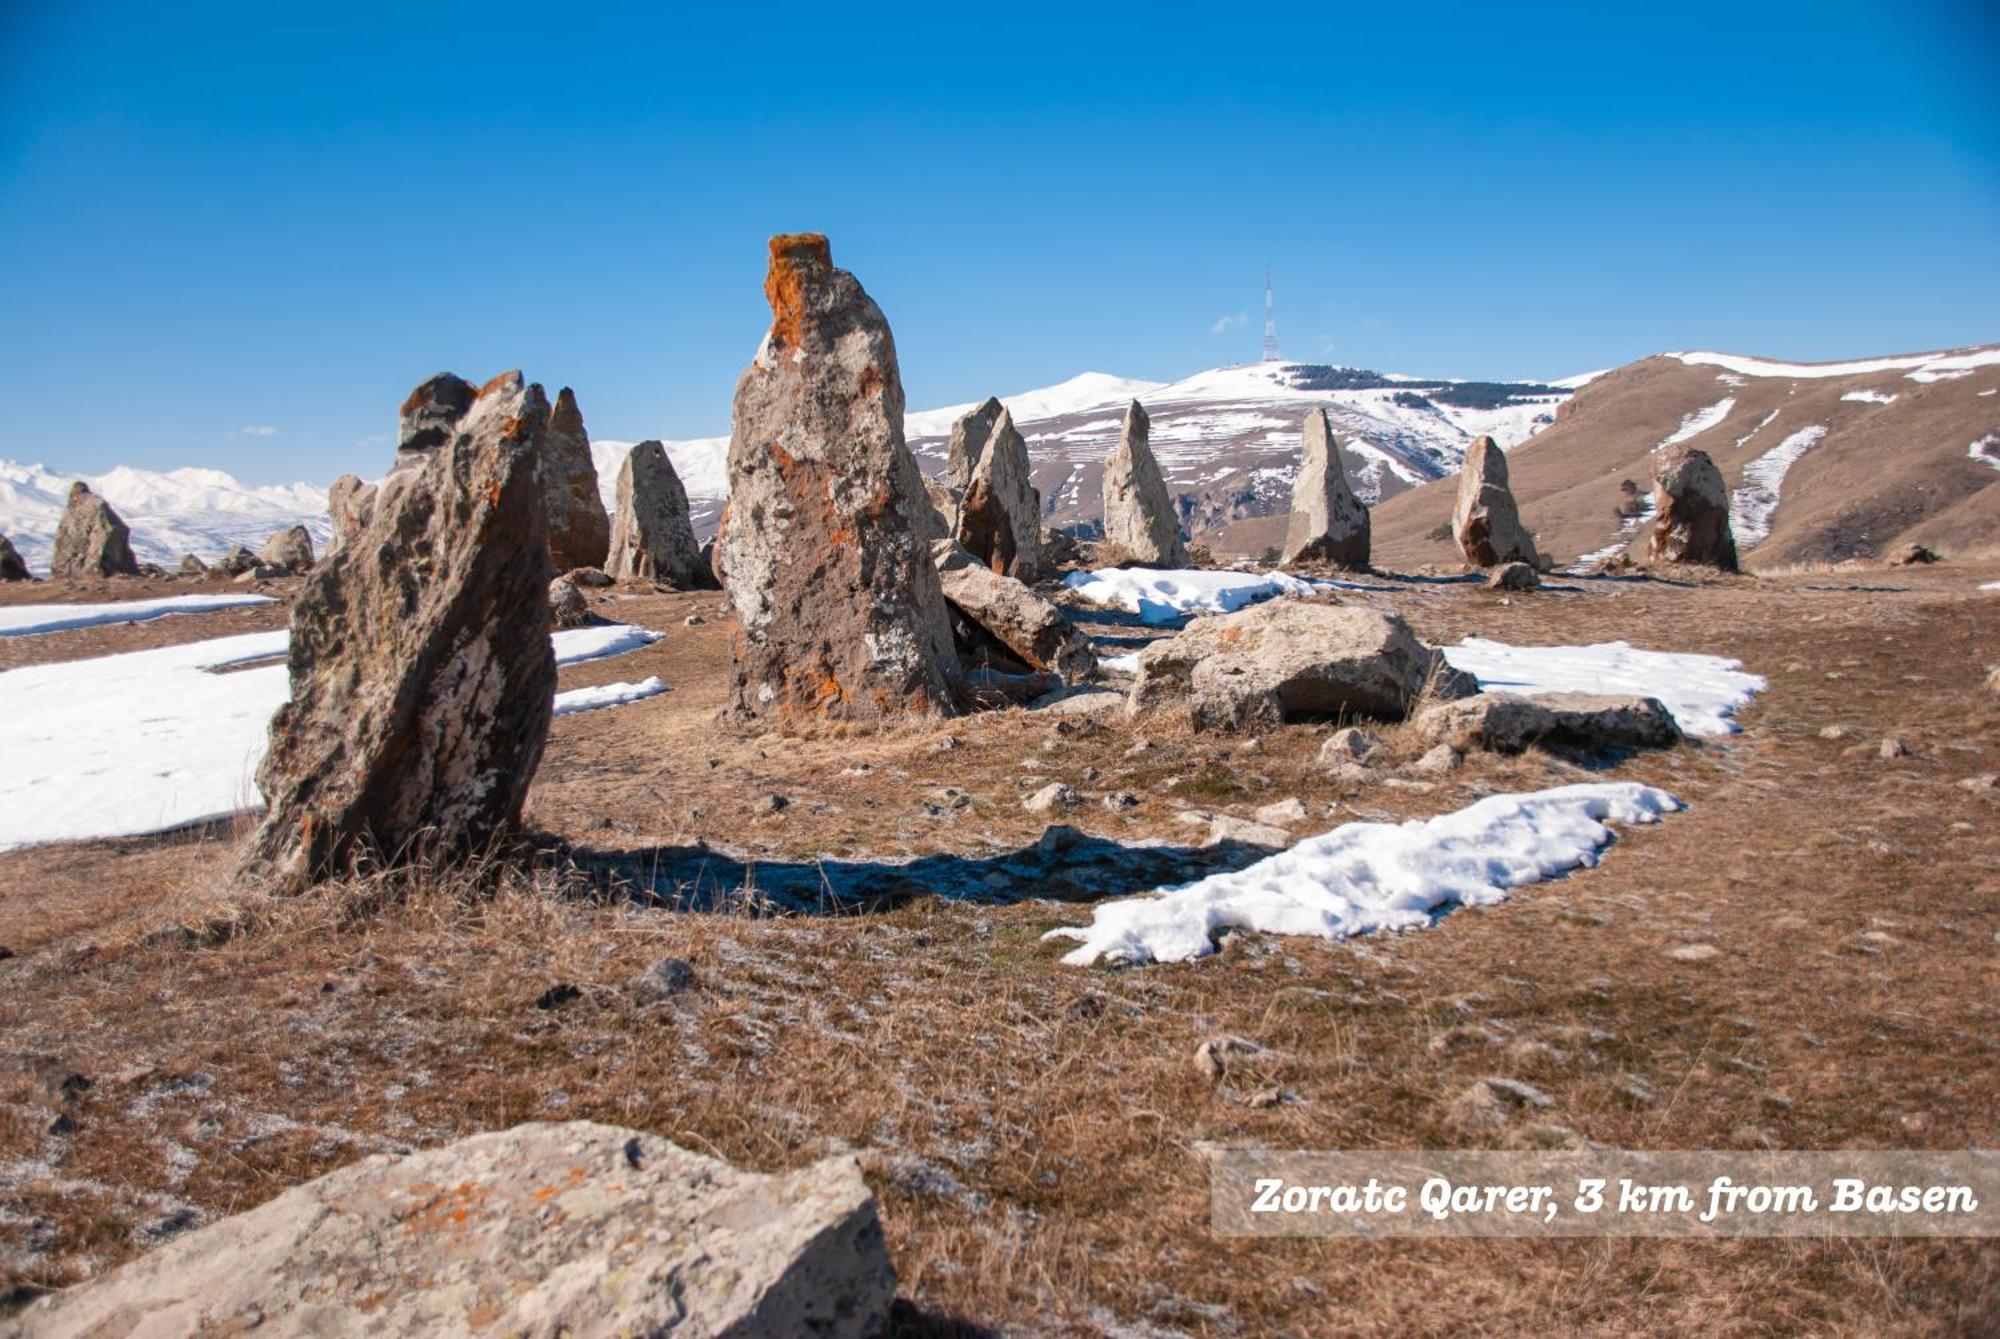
1270,320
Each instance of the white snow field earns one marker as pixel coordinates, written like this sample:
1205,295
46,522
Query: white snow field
1699,421
1916,366
1362,877
25,620
1702,692
1755,501
154,740
1161,595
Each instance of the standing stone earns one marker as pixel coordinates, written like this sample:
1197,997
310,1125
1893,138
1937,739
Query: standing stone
1329,523
968,442
289,551
1000,517
1691,512
348,503
421,673
12,566
653,538
1139,521
1485,520
839,612
91,540
579,531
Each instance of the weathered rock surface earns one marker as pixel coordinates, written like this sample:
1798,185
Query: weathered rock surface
236,561
579,531
568,608
1909,555
348,503
1691,512
653,539
192,566
1000,516
421,673
1485,520
968,443
1030,627
1514,576
1287,660
1506,723
91,540
12,566
431,416
545,1229
289,551
1140,525
839,612
1353,745
1329,524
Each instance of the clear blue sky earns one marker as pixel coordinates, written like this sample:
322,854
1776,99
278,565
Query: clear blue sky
218,218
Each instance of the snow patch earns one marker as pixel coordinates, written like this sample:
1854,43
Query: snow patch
1702,692
1871,397
1755,500
1986,450
1917,366
1762,424
1364,877
24,620
1700,421
1161,596
608,695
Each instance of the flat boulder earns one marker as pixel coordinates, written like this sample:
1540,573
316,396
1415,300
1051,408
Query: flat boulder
1031,628
1329,525
289,551
91,539
1690,512
1000,516
1507,723
543,1229
422,678
652,538
12,566
1289,660
839,612
1140,524
1484,519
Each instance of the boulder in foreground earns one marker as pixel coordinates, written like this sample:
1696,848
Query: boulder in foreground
1289,660
421,674
544,1229
91,539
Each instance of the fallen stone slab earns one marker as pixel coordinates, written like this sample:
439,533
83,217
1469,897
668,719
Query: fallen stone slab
1506,723
1009,611
544,1229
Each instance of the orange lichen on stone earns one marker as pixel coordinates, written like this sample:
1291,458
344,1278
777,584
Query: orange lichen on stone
500,382
785,282
871,381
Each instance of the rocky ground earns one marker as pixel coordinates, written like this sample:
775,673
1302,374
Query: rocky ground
1803,959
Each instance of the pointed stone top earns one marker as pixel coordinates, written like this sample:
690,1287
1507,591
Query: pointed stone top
430,411
566,417
1490,459
801,266
79,489
991,405
506,383
1136,413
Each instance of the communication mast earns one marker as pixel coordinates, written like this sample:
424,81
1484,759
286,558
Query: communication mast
1270,320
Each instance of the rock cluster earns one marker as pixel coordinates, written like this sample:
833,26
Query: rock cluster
1485,520
652,538
1140,525
12,566
543,1229
91,540
1691,512
1329,524
1289,660
1000,514
421,673
839,611
579,530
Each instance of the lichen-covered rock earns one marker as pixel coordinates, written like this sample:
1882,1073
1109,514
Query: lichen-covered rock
289,551
421,674
839,611
12,566
579,530
1289,660
1329,524
1691,512
1140,525
1000,516
969,436
1506,723
348,503
1030,627
543,1229
1485,520
91,540
653,537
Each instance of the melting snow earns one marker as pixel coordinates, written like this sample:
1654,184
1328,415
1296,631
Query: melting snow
1986,450
1755,500
1918,366
1701,420
1762,424
152,740
1871,397
23,620
608,695
1373,876
1161,596
1703,692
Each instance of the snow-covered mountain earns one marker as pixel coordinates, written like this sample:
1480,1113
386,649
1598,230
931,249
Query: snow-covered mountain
1227,440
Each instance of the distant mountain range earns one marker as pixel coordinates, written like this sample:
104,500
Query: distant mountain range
1828,460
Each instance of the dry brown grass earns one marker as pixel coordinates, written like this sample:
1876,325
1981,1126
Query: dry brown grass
1032,1128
